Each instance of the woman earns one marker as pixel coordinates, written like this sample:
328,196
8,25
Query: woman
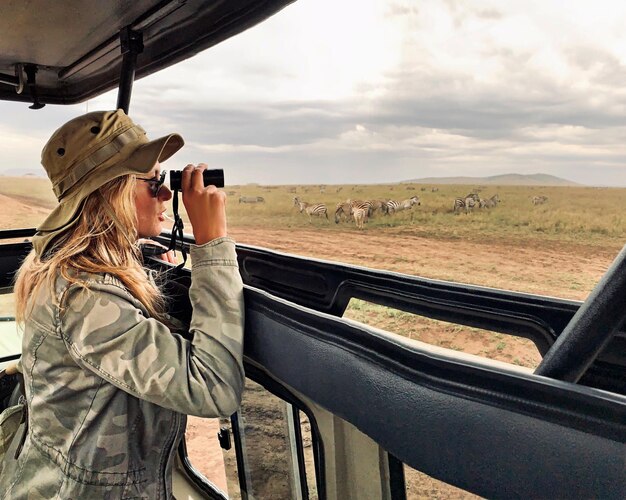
107,384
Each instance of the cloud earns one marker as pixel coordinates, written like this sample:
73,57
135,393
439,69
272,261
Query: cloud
401,91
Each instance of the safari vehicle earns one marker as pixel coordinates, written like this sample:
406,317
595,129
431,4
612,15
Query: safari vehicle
335,409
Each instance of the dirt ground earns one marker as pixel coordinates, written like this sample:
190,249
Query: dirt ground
547,268
566,271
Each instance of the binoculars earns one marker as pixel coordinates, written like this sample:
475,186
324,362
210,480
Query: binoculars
215,177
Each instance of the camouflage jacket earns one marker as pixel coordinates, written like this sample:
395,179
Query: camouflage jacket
108,387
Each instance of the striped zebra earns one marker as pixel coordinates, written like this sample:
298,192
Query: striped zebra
342,209
357,210
379,206
394,206
364,204
359,214
466,204
251,199
347,207
489,203
459,204
316,209
539,200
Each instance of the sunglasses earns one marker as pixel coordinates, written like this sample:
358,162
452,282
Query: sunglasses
155,184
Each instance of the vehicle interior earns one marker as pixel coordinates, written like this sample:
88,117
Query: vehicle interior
350,409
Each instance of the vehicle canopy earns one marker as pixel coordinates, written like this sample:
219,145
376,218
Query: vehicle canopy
49,57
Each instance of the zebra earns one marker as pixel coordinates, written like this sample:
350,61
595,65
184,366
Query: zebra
459,204
342,209
393,206
317,209
347,207
379,205
396,206
489,203
539,200
467,203
251,199
359,214
366,205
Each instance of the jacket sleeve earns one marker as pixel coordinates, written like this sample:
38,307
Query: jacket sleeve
107,333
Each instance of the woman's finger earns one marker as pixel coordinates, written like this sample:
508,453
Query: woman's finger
197,182
185,178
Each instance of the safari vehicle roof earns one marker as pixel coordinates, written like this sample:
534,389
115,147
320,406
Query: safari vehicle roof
75,47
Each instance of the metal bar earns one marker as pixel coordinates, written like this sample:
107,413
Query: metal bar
17,233
9,80
295,450
132,44
154,15
126,81
592,327
12,357
238,437
90,57
148,19
397,484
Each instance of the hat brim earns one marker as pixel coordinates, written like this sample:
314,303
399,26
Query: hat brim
137,160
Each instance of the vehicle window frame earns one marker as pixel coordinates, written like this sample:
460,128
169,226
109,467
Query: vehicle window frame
279,390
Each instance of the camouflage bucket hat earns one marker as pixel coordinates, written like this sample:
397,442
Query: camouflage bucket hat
86,153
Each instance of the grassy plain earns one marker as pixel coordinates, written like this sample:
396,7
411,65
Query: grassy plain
596,216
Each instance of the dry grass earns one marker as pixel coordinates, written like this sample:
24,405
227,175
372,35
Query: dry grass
572,214
597,216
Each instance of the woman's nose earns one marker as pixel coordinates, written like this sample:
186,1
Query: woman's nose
164,193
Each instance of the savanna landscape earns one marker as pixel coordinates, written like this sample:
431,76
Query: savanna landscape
559,247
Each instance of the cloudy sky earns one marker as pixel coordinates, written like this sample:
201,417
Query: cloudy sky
372,91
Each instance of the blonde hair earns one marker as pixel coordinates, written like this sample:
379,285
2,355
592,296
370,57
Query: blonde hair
96,243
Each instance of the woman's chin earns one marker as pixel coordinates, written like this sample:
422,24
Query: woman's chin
151,232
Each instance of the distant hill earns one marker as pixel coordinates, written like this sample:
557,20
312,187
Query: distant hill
23,172
500,180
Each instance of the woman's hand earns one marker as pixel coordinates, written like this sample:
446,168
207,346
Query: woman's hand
167,255
206,206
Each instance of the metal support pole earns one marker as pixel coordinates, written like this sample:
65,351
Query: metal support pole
131,43
31,72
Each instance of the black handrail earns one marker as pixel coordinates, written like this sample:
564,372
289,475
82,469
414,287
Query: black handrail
593,326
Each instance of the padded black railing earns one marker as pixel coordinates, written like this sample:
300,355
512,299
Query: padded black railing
328,287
